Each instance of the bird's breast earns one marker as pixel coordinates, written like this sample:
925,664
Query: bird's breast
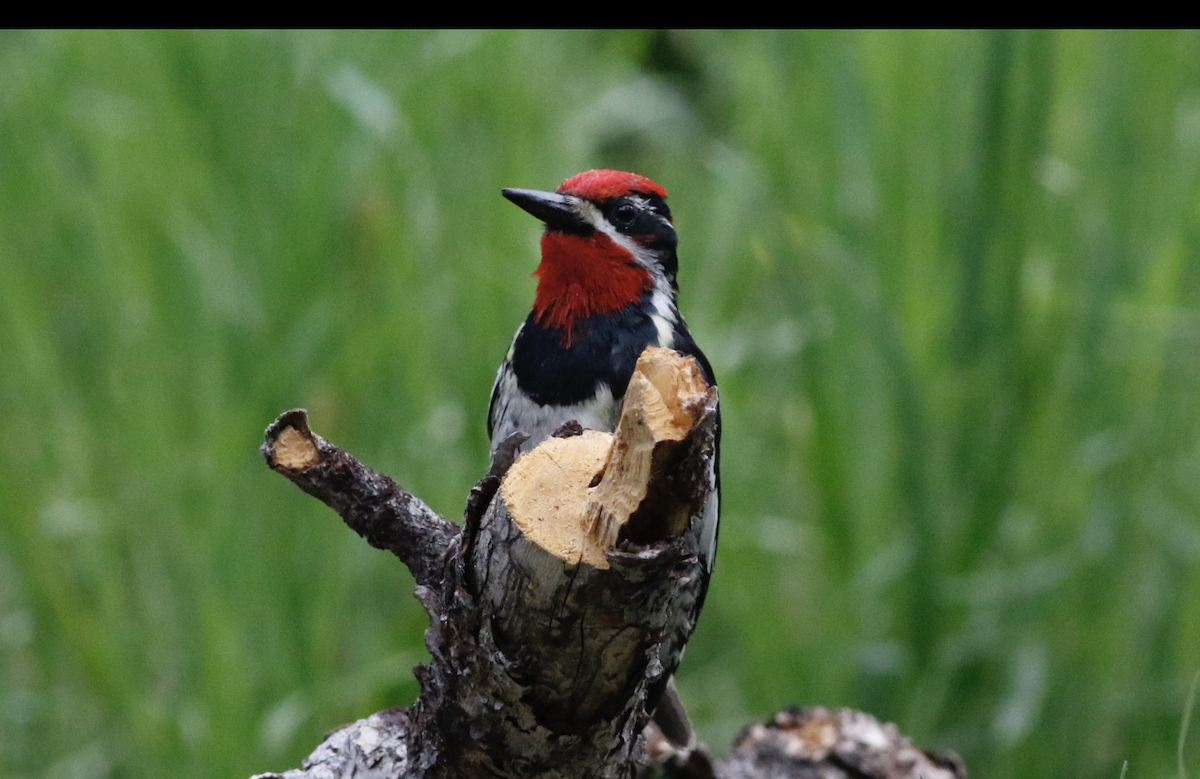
519,413
602,353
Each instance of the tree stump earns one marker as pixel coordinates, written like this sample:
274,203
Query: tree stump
559,610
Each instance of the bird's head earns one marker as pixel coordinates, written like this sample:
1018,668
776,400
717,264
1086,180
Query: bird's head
609,240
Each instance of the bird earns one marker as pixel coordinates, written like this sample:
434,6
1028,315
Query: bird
607,288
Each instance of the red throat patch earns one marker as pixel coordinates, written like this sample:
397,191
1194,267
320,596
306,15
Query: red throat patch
581,276
600,185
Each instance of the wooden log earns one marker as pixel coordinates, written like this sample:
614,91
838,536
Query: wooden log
555,642
561,607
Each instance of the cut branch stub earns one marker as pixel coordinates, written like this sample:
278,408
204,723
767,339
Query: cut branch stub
549,645
290,444
295,450
603,479
666,397
546,492
372,504
570,638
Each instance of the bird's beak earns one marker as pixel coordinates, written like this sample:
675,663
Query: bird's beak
557,211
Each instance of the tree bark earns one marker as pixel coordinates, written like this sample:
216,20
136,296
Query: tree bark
559,610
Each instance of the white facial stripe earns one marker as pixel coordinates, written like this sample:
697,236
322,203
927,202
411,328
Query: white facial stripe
588,210
662,299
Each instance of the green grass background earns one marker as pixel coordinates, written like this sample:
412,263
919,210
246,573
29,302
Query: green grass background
949,281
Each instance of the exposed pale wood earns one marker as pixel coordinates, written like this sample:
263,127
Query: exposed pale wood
664,401
547,495
572,496
294,450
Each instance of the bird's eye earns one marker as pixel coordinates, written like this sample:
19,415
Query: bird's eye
625,214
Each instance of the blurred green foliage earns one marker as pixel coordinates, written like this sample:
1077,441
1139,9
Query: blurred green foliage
950,283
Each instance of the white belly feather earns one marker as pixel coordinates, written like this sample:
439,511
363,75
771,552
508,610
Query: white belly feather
516,412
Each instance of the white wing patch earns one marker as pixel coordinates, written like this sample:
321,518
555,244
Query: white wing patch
666,331
664,314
